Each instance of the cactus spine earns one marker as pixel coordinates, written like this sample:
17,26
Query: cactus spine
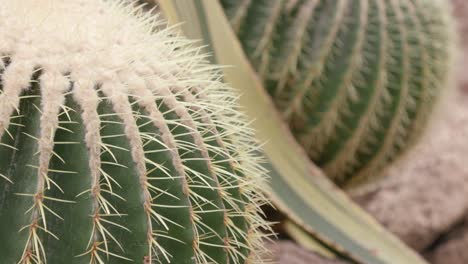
119,143
356,80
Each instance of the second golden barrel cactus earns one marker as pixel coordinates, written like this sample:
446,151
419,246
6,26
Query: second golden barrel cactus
356,80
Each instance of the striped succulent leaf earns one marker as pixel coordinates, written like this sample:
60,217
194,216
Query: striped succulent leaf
313,204
356,80
119,142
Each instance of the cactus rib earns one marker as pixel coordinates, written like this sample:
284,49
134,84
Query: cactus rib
290,42
402,104
370,105
314,57
236,11
258,28
332,108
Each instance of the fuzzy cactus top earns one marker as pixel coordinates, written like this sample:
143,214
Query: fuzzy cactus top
119,142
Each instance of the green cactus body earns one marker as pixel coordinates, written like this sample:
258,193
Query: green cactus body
119,143
356,80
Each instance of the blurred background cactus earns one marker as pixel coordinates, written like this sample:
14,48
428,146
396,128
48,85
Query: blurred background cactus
355,80
119,143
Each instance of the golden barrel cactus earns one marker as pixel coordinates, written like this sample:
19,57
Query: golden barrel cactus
355,80
119,143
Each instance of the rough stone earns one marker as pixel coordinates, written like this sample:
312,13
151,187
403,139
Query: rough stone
453,247
286,252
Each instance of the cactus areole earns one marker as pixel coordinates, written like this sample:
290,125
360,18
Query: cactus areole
355,80
119,143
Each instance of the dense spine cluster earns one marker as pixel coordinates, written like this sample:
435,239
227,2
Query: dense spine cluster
355,80
119,142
